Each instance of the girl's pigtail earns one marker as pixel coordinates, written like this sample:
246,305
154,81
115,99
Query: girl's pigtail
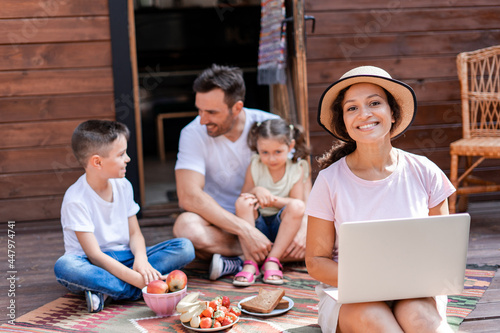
302,151
252,136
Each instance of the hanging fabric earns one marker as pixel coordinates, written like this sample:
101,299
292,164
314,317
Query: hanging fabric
272,45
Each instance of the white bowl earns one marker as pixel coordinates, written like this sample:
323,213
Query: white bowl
163,304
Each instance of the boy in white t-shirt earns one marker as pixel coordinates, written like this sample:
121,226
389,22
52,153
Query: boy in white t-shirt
105,252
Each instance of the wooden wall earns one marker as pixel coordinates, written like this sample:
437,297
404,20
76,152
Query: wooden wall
55,72
415,41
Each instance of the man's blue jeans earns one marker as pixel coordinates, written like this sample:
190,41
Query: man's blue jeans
78,274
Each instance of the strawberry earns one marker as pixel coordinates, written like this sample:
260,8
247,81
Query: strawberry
206,322
236,310
208,312
232,316
218,300
225,301
226,321
219,315
213,304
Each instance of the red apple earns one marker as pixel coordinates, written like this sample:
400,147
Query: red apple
176,280
157,287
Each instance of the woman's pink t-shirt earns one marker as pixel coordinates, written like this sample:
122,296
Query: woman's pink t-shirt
416,185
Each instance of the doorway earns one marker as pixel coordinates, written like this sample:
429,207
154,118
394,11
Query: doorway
176,40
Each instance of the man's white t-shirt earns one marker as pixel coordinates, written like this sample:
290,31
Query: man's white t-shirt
84,210
221,161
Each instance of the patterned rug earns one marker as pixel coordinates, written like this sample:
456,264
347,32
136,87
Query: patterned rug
68,313
477,280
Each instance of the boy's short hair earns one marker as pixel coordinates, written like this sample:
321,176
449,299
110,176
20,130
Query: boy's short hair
95,137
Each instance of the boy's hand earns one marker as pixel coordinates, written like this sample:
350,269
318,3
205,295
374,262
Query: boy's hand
148,272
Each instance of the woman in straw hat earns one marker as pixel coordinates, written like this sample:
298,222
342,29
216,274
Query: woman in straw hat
365,178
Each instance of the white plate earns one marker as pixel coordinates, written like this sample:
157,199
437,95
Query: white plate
275,312
210,329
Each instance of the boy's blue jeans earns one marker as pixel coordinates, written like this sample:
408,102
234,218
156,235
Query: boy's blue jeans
78,274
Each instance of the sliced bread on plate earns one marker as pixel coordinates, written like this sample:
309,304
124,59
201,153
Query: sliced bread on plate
265,302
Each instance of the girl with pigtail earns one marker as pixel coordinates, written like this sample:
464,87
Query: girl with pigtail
272,197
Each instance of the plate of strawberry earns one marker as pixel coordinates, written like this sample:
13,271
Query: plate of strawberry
214,315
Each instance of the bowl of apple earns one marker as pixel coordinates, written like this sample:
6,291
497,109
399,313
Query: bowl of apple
162,296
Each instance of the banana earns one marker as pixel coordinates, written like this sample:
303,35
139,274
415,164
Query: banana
184,307
187,302
186,316
193,311
195,322
191,297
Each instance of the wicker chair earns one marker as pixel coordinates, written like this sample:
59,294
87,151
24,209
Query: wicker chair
479,75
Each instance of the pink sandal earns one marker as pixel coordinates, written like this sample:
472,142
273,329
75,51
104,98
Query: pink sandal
247,275
272,272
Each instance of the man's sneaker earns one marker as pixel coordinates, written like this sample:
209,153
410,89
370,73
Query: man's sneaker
95,301
221,266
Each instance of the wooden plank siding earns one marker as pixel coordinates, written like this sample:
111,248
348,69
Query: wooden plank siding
56,71
416,42
52,8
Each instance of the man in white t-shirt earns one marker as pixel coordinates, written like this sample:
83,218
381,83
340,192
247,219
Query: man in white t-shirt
210,170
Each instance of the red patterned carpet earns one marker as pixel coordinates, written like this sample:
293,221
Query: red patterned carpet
68,313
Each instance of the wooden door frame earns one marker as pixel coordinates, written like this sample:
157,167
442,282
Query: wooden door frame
126,89
290,100
299,61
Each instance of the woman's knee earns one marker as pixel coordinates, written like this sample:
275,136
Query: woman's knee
419,315
376,317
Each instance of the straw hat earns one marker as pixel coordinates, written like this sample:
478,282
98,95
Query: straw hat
403,93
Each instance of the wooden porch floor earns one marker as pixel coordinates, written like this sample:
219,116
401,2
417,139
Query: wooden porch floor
38,247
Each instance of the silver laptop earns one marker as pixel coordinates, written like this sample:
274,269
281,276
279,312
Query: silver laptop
402,258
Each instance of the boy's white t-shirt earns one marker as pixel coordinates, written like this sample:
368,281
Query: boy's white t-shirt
416,185
84,210
221,161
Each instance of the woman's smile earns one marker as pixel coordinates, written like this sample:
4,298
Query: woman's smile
368,126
